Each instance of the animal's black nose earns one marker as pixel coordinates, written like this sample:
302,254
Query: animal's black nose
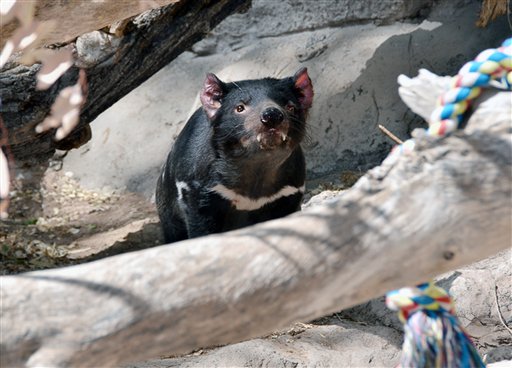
271,116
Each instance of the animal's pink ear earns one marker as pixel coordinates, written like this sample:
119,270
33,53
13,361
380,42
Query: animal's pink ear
304,87
211,95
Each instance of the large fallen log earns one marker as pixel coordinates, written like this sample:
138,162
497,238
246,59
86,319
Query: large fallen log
115,64
445,205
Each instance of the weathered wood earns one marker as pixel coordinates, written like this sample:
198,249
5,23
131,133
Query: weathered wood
444,206
77,17
149,43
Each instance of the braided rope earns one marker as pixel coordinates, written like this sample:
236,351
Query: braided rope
433,335
492,65
411,299
491,68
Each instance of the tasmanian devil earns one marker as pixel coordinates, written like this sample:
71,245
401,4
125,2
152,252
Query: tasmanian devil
238,160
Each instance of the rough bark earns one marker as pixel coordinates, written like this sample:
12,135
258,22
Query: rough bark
444,206
120,64
77,17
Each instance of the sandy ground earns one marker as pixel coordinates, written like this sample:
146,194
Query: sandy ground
60,223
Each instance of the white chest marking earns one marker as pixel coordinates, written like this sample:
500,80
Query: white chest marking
244,203
180,186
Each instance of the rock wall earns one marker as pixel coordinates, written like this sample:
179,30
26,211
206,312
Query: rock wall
354,51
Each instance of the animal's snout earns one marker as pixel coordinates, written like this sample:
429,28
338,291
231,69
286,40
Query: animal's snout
271,117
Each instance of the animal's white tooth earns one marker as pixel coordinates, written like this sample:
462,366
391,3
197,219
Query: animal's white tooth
283,136
258,137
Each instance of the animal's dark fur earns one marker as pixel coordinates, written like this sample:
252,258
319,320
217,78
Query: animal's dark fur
242,148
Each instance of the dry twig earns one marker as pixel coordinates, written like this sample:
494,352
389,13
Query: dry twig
389,134
500,315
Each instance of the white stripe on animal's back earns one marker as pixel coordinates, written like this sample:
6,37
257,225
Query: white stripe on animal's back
180,185
244,203
164,170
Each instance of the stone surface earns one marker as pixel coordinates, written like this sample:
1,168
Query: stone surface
337,344
354,52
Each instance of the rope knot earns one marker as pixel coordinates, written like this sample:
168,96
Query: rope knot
434,336
427,296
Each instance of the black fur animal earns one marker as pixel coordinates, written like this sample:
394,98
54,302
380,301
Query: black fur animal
238,160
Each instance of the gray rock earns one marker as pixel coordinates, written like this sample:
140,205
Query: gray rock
339,344
268,18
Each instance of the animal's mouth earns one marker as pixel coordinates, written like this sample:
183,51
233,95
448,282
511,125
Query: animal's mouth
271,138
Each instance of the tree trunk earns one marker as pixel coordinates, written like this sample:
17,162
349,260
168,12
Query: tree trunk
119,64
445,205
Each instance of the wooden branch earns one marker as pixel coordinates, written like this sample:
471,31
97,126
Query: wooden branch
81,16
151,42
444,206
393,137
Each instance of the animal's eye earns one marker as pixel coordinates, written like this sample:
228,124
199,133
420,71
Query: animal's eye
240,108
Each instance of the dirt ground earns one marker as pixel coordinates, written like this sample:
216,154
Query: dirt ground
57,222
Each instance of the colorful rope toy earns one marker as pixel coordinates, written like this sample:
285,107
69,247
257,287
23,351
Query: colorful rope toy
491,68
433,334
